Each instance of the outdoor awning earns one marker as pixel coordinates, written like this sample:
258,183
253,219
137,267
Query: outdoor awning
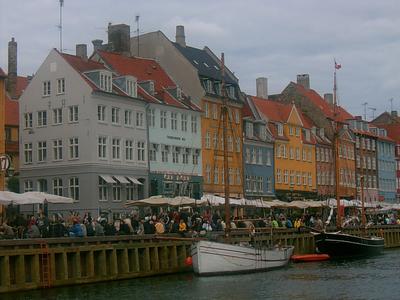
134,180
108,178
121,179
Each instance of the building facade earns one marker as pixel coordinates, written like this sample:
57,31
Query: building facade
258,155
346,166
198,74
295,167
83,136
173,125
2,120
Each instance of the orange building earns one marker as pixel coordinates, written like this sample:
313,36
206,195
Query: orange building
347,165
295,166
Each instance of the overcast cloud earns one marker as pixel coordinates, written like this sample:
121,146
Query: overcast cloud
275,39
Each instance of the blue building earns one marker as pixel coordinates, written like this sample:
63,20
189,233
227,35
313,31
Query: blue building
258,150
386,166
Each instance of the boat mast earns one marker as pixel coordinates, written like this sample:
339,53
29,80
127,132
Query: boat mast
225,125
336,151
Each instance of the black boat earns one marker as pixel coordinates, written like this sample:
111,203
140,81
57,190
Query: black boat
341,245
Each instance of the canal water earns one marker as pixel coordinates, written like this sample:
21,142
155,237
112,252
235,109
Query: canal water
372,278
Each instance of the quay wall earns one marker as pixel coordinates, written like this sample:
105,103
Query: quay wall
43,263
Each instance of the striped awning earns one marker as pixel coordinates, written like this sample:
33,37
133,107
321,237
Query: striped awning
134,180
121,179
107,178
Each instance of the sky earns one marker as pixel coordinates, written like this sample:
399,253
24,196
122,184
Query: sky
274,39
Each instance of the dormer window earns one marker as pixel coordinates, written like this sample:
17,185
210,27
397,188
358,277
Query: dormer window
231,91
307,135
280,129
262,131
105,81
218,88
178,93
131,87
208,86
249,129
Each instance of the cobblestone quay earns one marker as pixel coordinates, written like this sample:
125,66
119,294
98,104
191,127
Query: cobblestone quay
41,263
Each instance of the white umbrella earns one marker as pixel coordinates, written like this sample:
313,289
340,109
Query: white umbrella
41,197
7,198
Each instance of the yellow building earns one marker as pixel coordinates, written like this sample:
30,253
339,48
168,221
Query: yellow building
2,118
295,166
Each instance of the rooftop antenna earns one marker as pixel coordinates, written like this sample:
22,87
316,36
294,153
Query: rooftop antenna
373,109
137,17
365,110
60,24
391,104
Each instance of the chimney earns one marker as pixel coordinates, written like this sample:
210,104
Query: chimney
119,38
393,113
12,68
81,51
328,98
180,35
262,87
97,44
304,80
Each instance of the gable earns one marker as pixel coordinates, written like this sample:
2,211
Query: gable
294,117
346,136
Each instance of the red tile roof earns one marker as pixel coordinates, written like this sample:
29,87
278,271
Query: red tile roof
22,83
325,107
246,111
12,112
142,68
273,110
393,131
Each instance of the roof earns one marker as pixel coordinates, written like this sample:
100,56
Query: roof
22,83
246,110
2,73
272,110
11,112
386,118
393,131
205,64
325,107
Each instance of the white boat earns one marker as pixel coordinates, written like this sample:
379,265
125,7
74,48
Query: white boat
215,258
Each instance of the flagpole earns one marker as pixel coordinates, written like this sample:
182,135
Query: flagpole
336,150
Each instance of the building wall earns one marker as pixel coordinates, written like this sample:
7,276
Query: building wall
303,165
325,171
259,169
175,173
2,121
212,157
386,171
88,166
347,169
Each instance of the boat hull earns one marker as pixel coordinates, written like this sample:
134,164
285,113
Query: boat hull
215,258
346,245
310,257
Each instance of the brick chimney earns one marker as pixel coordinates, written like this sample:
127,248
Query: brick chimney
328,97
119,38
97,44
304,80
262,87
81,51
12,68
180,35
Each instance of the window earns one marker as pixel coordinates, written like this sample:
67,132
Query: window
57,116
292,176
102,189
185,158
260,156
253,156
42,185
105,82
129,150
208,173
184,122
28,153
74,188
304,155
230,144
131,88
280,129
238,177
195,159
130,192
174,121
163,119
164,155
291,151
286,176
28,186
73,113
46,88
194,124
297,154
102,147
291,130
206,110
152,117
139,119
57,186
28,117
297,131
128,118
215,111
60,86
279,176
42,118
42,151
57,150
207,140
216,175
268,154
237,116
141,151
298,178
115,115
238,145
175,157
73,148
249,129
116,190
231,176
116,148
101,113
309,179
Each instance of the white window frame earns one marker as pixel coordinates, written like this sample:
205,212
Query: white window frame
74,190
115,116
60,86
28,117
129,150
73,114
46,88
102,144
57,116
28,153
42,118
73,145
116,148
58,188
139,119
42,151
141,151
101,113
57,150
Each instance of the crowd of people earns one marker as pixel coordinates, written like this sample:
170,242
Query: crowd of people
182,222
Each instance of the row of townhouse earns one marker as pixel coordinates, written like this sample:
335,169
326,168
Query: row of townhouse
132,121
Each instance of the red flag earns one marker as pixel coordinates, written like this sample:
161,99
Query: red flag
337,66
